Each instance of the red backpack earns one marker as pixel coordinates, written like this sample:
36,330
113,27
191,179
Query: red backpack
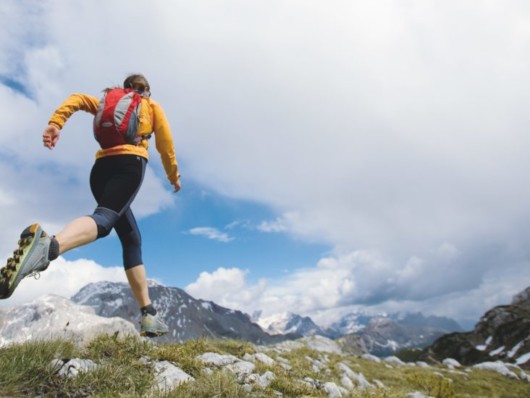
117,118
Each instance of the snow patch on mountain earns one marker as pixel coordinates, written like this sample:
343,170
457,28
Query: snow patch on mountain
289,323
276,324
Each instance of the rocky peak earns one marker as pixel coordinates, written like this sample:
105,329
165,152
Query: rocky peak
287,322
501,334
187,317
522,299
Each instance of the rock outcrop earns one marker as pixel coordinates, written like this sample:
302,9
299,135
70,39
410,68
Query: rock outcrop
52,316
503,333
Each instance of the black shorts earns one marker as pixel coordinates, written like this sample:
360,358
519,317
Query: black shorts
115,181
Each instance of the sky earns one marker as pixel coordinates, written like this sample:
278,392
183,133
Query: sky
336,156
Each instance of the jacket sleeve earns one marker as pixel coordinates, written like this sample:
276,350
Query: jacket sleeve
75,102
164,142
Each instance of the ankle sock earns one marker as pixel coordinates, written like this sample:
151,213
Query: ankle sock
148,309
53,251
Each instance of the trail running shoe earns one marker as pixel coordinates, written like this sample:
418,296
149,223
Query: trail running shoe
30,258
152,326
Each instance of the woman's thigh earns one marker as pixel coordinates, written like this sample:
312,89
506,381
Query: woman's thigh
115,181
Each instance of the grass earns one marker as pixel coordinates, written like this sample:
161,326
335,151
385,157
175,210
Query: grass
24,368
219,385
124,370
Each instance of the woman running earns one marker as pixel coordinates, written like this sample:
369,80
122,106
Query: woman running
115,179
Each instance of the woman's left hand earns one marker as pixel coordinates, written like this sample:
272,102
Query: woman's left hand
50,136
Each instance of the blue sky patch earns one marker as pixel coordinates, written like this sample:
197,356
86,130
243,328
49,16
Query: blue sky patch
15,85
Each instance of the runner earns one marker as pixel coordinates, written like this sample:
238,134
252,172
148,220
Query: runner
115,179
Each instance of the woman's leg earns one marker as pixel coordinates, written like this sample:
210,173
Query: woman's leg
77,233
131,242
151,325
114,183
138,282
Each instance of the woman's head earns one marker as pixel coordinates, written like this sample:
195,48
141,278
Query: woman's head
139,83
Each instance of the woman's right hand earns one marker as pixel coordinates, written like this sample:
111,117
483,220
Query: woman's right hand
50,136
176,184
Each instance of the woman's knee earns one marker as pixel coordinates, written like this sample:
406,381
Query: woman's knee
105,220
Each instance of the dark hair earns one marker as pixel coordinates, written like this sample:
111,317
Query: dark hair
137,82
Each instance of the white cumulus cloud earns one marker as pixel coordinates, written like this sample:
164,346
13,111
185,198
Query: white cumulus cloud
64,278
355,281
227,287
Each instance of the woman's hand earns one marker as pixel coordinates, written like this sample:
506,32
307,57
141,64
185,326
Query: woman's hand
176,184
50,136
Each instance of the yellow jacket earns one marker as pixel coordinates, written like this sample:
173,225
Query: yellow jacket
152,120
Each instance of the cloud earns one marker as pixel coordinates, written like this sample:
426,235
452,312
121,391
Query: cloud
210,233
280,224
64,278
226,286
387,134
360,281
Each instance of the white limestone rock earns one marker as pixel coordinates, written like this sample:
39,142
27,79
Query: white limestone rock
334,391
169,376
72,367
417,394
346,382
260,357
498,367
422,364
451,363
241,368
393,360
371,357
212,358
51,316
321,344
357,377
263,380
317,343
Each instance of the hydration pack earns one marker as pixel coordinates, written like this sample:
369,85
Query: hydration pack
117,118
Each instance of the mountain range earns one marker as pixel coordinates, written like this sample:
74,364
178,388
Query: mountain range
381,334
186,317
190,318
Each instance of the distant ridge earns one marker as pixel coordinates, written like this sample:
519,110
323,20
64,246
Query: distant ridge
381,334
287,322
187,318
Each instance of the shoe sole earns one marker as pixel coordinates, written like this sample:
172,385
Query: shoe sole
151,329
149,333
10,275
